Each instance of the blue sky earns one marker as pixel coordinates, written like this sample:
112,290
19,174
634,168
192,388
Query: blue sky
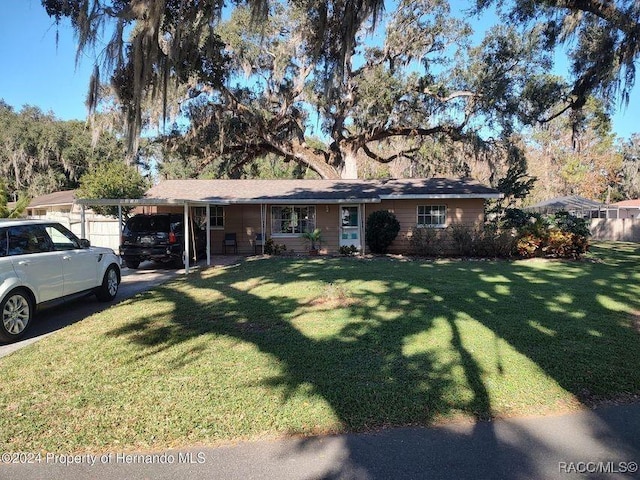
35,71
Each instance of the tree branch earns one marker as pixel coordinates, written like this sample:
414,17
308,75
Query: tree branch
380,159
604,9
453,132
452,96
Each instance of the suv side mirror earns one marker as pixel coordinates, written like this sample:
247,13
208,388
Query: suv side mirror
84,243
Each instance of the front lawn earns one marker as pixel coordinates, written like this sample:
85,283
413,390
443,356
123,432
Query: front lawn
278,346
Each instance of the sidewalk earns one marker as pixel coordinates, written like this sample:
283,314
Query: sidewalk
589,444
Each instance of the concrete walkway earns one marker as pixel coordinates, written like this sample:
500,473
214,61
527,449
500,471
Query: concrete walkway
589,444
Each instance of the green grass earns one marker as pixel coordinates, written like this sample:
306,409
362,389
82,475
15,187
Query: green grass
301,346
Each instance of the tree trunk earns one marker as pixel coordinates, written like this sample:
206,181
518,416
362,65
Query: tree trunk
16,171
317,161
349,167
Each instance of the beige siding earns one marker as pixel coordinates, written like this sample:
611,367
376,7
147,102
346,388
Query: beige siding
461,211
326,220
244,220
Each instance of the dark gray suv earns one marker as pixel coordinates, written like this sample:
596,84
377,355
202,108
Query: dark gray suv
158,237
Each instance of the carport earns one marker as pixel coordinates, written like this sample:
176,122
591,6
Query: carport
151,202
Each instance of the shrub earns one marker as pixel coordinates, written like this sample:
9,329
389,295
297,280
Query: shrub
568,223
348,250
382,229
484,241
272,248
561,235
426,241
529,245
491,241
463,239
313,237
515,218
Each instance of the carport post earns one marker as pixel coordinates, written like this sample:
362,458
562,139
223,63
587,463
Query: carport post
363,230
263,214
186,238
208,235
119,222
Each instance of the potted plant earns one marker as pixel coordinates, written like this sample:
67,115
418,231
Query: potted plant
313,237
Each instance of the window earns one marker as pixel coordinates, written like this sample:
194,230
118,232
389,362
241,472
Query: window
28,239
62,238
292,220
349,216
432,216
216,216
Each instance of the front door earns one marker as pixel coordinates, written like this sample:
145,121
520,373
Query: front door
350,226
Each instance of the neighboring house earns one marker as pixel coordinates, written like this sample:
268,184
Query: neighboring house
576,205
615,222
62,207
56,203
283,209
628,208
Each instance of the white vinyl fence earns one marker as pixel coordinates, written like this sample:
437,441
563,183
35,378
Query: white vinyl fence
101,231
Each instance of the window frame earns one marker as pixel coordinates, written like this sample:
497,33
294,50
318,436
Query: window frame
40,234
215,211
309,220
442,213
74,242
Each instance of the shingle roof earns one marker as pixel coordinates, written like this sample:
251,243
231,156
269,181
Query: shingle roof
627,204
314,191
65,197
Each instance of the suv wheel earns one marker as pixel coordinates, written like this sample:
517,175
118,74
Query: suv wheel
109,288
16,310
132,263
178,263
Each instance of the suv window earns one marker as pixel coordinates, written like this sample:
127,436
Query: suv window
28,239
62,238
177,226
151,223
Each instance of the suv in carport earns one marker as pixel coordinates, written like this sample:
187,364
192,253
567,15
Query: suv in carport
158,237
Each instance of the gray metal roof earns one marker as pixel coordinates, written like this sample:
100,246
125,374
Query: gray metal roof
574,202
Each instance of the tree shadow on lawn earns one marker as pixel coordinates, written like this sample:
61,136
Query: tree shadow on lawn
371,371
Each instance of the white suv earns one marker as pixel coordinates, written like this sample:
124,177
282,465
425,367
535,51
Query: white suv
41,262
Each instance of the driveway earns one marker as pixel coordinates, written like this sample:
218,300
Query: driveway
52,319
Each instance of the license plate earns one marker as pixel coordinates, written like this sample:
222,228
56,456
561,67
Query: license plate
146,239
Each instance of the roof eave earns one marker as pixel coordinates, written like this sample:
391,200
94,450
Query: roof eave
298,201
219,201
47,205
442,196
